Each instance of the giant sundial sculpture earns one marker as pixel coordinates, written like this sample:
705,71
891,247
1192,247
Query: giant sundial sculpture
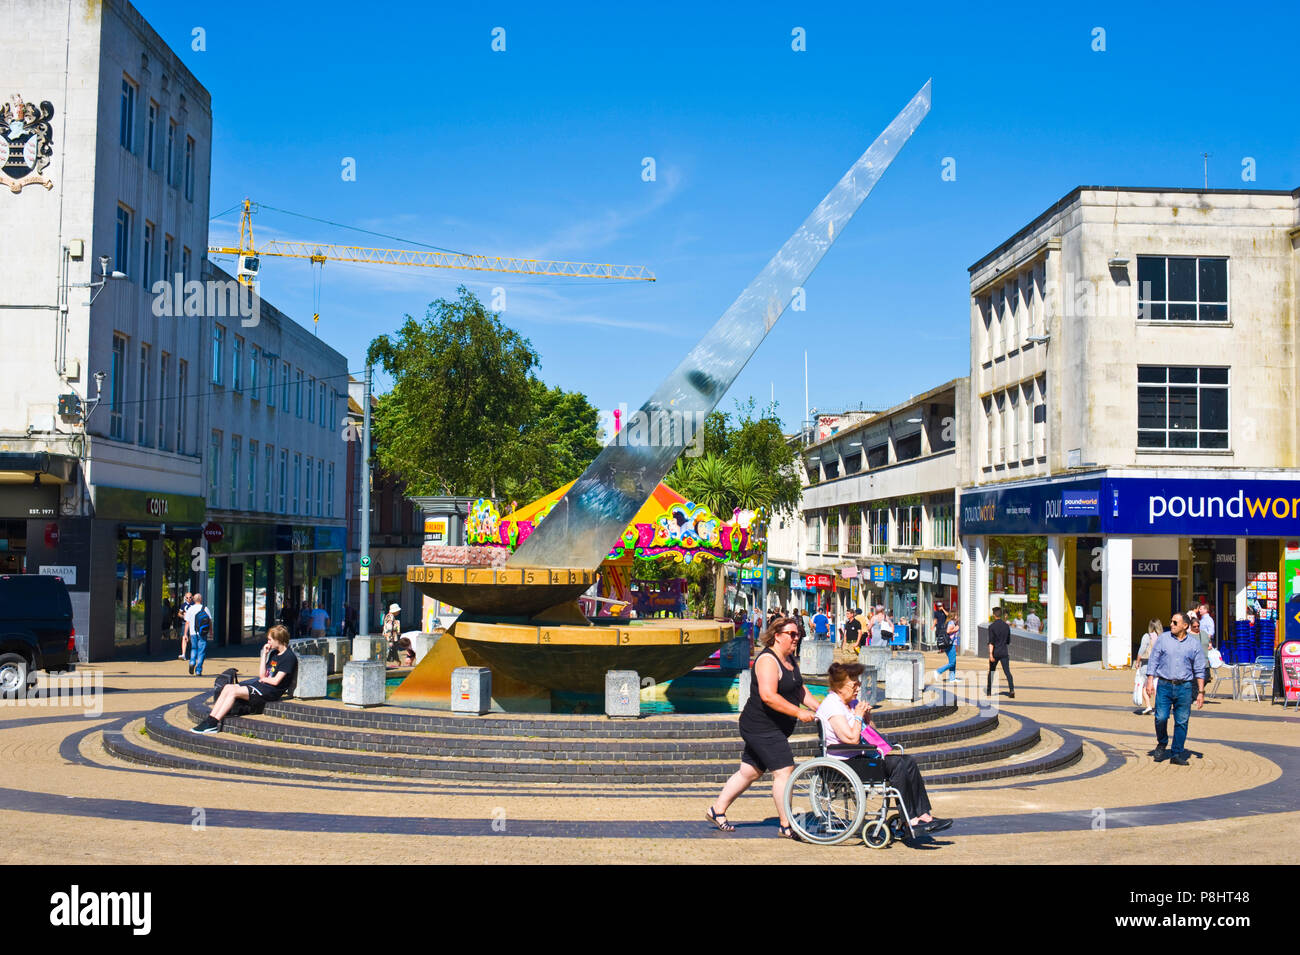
522,620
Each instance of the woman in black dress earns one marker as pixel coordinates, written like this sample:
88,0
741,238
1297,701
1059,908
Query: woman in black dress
777,700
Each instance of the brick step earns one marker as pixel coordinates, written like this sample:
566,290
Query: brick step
170,731
410,720
567,748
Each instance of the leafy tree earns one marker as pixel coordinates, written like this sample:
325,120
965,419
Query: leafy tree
466,414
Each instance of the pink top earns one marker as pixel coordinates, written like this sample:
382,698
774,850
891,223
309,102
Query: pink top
833,706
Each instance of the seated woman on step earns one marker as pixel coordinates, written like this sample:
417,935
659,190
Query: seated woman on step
277,672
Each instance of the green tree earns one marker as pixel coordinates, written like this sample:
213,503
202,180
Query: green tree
466,415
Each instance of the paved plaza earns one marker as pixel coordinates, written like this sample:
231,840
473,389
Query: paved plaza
64,799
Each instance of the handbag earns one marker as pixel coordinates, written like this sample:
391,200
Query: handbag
1138,681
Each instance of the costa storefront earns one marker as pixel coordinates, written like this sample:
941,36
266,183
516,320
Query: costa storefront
1097,557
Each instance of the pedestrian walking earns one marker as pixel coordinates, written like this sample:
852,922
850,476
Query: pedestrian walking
1177,662
1000,652
948,645
778,701
393,629
852,629
940,623
187,601
1206,618
1145,700
320,621
200,634
187,637
876,619
887,628
821,625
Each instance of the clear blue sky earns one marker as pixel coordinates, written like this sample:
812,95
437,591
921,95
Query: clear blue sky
538,151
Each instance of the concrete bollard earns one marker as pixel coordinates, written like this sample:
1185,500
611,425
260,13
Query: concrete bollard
370,648
901,683
338,651
744,685
622,694
816,656
471,690
868,691
422,643
313,677
363,682
735,654
875,657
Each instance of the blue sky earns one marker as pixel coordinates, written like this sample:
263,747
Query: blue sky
538,151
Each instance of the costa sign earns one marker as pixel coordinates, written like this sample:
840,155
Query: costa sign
213,532
156,506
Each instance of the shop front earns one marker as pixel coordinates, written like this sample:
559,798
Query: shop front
260,575
1102,557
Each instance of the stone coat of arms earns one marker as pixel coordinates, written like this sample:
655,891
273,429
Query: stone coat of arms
28,143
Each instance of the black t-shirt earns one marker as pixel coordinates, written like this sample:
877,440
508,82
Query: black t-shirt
286,662
941,623
851,630
999,637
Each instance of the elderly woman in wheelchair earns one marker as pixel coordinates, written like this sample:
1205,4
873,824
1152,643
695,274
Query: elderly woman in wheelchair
859,779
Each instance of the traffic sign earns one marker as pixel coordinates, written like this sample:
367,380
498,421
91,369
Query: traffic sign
365,561
365,574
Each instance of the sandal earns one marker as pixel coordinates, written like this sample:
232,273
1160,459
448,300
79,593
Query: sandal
785,832
719,821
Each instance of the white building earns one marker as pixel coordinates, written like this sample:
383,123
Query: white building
1134,421
115,441
879,510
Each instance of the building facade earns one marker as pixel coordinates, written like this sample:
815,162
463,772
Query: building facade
879,511
101,479
1133,443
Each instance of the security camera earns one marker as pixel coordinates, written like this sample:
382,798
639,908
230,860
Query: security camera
103,265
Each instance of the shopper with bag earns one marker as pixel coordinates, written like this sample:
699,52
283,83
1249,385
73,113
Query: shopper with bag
1145,701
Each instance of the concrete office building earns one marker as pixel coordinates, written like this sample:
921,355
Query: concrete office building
879,509
108,139
1133,442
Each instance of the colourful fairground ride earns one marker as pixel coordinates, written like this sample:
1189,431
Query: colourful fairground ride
667,528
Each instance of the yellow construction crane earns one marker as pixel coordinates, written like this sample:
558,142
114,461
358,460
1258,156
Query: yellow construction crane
248,255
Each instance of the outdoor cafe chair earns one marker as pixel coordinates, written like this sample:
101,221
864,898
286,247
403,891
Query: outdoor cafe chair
1260,676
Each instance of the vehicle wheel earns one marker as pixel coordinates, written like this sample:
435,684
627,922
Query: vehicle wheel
13,674
824,801
877,834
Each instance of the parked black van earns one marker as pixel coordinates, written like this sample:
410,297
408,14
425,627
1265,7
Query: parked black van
36,631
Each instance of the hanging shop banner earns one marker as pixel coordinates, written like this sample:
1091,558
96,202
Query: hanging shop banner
820,581
1201,507
1055,507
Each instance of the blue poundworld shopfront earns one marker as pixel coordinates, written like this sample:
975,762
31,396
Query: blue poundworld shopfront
1098,556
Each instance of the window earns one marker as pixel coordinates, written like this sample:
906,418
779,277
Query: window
297,480
147,259
907,447
218,346
878,455
270,382
878,530
116,387
185,262
284,468
214,470
284,386
985,308
142,435
252,474
908,518
164,399
814,522
170,172
169,258
833,531
122,241
320,486
329,500
990,434
254,360
942,527
266,479
1182,289
182,402
1013,439
189,168
320,416
126,120
234,472
151,146
306,498
237,363
1182,407
855,531
298,394
311,395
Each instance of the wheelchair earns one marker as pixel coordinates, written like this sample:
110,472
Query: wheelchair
828,802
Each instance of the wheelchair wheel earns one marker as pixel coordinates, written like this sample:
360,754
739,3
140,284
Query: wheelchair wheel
898,826
877,834
824,801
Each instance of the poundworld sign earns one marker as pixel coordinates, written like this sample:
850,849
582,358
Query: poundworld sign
1201,507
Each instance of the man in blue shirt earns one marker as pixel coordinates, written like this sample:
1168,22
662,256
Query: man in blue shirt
1177,663
821,625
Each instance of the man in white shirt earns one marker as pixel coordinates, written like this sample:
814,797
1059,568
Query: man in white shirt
196,604
1207,632
1035,622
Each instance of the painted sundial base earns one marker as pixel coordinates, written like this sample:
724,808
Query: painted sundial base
502,592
